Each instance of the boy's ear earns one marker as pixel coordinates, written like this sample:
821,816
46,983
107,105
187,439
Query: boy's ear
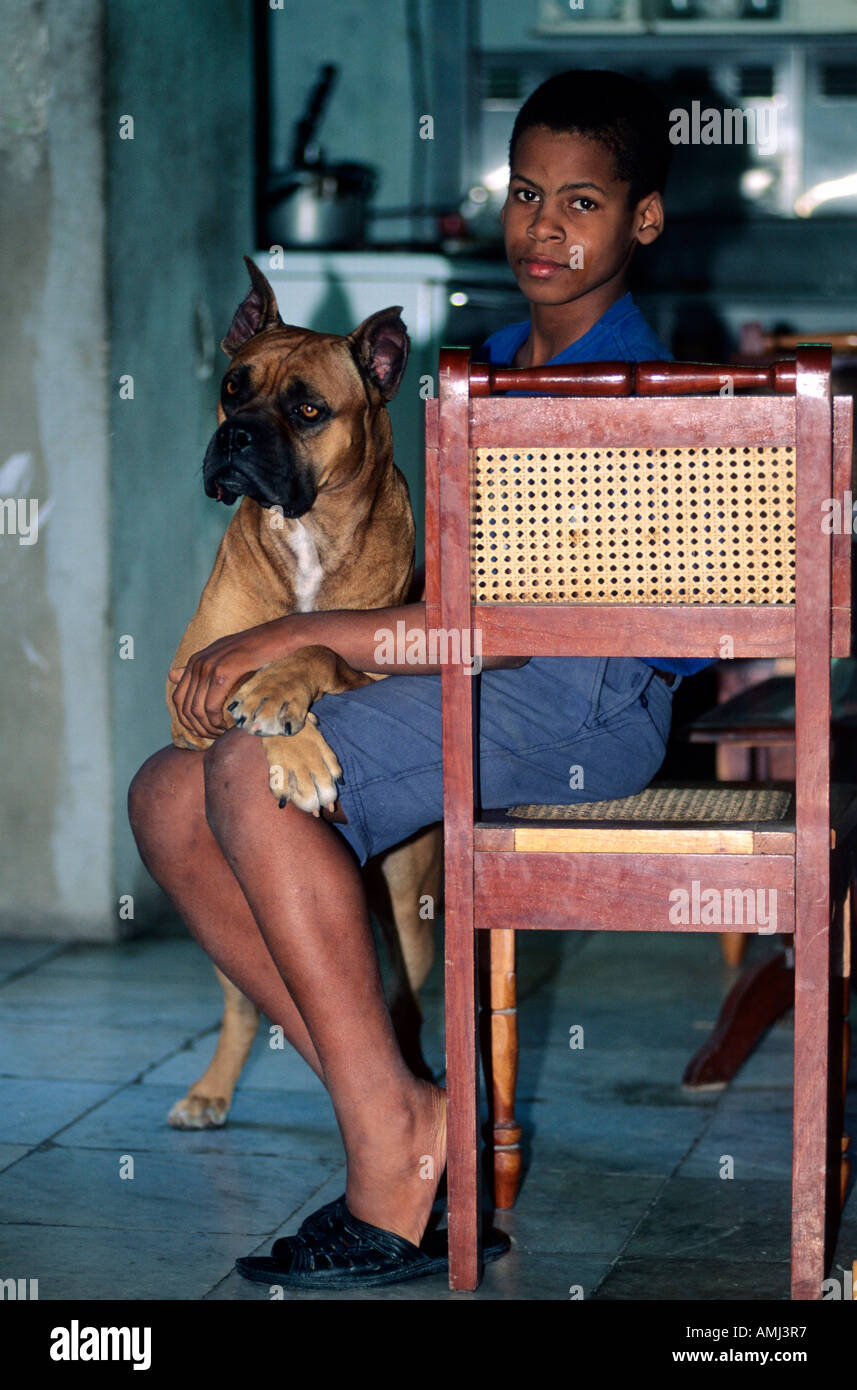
649,218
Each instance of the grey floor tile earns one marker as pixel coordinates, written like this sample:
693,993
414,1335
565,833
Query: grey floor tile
771,1065
81,1052
94,1263
169,1192
10,1153
108,1003
621,1197
267,1068
151,958
579,1213
716,1219
282,1124
705,1279
631,1074
845,1253
759,1142
25,955
611,1028
590,1134
31,1112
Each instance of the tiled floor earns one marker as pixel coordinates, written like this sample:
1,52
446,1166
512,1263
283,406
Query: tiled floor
623,1197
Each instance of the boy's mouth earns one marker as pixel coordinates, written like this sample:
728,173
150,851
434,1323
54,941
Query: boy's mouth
541,267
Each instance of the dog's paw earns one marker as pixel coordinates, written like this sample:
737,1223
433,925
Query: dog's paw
303,769
195,1111
273,701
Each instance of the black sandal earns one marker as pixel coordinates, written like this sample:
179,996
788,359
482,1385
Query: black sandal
338,1251
333,1212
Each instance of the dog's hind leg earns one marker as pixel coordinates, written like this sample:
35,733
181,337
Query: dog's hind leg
207,1102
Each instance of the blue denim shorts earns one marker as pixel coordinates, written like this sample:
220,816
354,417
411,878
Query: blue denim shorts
558,730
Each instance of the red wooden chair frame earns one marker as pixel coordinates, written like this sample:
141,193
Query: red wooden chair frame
489,885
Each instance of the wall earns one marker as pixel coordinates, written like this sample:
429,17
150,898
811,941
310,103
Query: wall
55,819
145,236
180,208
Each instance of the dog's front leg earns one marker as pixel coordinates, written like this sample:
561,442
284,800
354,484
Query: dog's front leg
275,703
276,698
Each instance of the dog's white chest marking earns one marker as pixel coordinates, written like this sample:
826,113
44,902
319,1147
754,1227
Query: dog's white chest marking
308,574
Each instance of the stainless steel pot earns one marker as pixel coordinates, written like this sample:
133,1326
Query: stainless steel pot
321,205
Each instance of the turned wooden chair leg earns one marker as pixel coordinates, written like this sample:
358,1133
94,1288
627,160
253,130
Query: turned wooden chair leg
504,1070
733,946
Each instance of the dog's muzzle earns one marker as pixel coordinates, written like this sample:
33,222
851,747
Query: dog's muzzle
250,459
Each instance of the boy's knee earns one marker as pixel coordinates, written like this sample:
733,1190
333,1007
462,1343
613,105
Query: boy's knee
144,784
163,787
231,766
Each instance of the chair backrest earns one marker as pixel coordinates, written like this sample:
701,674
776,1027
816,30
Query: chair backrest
660,501
620,511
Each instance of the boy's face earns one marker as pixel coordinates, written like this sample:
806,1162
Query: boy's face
569,228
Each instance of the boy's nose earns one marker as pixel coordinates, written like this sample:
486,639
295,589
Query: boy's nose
546,229
546,223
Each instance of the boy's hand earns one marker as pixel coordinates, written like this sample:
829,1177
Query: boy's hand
204,684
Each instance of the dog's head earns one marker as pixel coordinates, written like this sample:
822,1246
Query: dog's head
297,408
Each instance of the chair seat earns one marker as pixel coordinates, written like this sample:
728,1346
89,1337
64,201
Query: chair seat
668,818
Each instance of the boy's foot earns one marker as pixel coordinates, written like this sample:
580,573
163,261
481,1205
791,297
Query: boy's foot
393,1180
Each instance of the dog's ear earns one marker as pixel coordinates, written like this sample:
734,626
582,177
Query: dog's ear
380,347
255,313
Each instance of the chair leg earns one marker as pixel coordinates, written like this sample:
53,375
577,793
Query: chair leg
733,946
845,1166
810,1172
504,1069
463,1168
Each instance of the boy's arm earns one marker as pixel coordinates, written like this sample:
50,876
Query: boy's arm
365,638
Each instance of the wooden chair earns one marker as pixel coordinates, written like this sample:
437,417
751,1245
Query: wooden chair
694,516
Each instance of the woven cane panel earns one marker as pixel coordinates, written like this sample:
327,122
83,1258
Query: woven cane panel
673,525
673,804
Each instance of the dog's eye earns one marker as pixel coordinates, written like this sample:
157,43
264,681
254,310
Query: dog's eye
231,388
308,411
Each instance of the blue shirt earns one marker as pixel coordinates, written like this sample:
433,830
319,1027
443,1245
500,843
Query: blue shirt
620,335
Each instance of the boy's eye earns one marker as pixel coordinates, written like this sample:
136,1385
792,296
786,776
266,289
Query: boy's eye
525,194
590,204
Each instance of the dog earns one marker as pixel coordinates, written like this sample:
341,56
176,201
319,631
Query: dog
325,522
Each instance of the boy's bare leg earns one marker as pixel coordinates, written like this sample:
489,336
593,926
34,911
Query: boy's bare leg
307,907
166,807
306,895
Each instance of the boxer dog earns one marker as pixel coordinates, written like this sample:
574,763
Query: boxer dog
325,522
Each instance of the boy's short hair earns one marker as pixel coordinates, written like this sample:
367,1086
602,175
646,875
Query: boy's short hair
619,112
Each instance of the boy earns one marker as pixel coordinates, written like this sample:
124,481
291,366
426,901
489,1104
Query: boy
275,897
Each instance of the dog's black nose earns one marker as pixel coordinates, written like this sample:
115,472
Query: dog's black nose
236,438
